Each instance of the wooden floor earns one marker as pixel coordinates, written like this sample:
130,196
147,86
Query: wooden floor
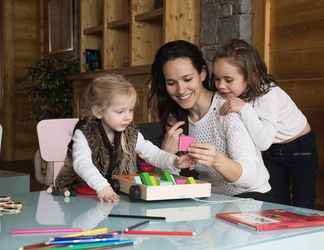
23,167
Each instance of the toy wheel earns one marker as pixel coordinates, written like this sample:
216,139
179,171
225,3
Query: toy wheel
115,185
134,193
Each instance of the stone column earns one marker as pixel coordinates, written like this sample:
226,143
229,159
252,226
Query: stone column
222,20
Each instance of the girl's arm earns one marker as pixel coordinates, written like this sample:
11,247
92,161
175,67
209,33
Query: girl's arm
261,120
154,155
83,165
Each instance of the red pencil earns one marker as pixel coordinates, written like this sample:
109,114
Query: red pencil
150,232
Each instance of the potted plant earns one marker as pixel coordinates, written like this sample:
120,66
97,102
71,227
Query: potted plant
52,90
51,97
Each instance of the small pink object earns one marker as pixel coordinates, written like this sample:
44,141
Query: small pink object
180,181
51,230
184,142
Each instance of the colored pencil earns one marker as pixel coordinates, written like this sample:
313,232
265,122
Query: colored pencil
80,240
44,230
137,225
169,233
99,236
137,216
33,246
102,245
37,246
102,230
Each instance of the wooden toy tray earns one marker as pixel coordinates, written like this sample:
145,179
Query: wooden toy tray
170,192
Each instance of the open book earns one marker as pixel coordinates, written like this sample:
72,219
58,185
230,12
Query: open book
273,219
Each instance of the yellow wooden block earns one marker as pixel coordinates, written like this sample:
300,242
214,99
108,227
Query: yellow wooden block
191,180
153,181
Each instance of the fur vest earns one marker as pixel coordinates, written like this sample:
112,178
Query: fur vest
110,159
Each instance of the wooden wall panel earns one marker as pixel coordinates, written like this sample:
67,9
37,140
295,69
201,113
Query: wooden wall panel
288,63
22,23
296,52
312,94
27,52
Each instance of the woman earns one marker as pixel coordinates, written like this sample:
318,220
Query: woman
224,152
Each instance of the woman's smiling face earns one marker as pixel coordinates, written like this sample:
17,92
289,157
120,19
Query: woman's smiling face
183,82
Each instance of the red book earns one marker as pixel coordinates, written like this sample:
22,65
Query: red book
273,219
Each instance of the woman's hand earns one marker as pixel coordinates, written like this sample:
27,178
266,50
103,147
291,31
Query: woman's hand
233,104
184,161
107,194
171,138
206,154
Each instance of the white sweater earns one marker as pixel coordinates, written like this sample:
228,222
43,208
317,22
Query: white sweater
84,167
272,118
230,137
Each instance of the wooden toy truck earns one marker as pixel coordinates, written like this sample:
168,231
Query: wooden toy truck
126,184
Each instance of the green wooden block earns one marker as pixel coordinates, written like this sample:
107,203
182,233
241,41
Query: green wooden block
166,176
145,178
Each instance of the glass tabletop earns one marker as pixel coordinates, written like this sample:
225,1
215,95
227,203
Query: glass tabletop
42,210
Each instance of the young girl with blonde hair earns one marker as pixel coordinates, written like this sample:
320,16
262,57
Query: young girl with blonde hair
105,142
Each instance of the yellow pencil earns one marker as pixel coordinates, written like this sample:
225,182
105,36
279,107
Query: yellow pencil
102,230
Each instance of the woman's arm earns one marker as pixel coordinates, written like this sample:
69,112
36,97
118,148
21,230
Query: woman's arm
241,149
241,162
206,154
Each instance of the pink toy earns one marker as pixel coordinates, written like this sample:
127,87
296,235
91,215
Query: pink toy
184,142
181,181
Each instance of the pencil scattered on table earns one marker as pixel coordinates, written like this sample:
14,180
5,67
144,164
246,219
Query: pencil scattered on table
102,230
100,245
153,232
48,230
137,216
137,225
99,238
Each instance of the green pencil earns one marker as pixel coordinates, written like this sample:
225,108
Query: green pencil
101,245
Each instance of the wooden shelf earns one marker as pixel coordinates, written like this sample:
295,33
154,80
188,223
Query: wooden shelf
95,31
119,24
154,15
129,32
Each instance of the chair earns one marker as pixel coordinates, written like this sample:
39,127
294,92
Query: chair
54,136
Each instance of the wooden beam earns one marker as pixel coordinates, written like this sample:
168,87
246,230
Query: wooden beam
8,80
261,27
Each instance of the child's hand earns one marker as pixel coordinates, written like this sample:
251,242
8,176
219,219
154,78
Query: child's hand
233,104
184,161
107,194
171,138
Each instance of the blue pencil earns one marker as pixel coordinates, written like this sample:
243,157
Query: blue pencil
137,225
99,236
87,240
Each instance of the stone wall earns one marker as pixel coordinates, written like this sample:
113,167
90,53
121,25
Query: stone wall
222,20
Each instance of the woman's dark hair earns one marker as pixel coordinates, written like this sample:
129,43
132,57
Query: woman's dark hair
170,51
241,54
